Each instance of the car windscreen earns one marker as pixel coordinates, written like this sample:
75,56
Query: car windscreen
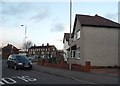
22,58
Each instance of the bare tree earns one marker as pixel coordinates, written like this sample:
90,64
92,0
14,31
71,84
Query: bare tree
27,45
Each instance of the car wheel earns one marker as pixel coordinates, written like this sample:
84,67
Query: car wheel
15,67
30,68
8,66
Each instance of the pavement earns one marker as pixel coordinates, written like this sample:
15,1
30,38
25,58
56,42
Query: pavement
106,71
89,78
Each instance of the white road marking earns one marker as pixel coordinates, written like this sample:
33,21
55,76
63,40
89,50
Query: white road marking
8,80
83,81
27,78
1,83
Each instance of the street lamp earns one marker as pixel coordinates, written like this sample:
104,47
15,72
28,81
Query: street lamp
25,35
70,32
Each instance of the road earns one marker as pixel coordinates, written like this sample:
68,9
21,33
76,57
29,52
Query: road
11,76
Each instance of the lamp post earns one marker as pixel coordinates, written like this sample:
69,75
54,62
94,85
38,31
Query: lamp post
25,36
70,32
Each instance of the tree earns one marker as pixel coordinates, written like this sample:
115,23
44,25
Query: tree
27,45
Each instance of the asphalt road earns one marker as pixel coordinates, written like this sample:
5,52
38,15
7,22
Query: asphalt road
11,76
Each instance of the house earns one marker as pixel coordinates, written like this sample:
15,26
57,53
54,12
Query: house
66,45
94,40
44,51
9,49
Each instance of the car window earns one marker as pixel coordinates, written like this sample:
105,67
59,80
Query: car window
21,58
13,57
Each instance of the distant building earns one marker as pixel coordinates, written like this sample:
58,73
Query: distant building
44,51
9,49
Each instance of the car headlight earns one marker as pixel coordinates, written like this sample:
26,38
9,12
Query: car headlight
30,63
20,63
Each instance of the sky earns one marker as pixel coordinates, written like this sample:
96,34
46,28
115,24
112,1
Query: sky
46,22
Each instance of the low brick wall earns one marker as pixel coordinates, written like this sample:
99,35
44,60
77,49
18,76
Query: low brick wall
87,68
77,67
63,65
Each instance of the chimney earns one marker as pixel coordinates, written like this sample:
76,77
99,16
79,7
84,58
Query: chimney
96,15
47,44
42,44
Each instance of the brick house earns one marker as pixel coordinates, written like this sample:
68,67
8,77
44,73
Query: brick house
44,51
94,39
9,49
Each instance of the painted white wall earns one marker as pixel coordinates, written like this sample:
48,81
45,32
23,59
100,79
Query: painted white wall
100,46
66,46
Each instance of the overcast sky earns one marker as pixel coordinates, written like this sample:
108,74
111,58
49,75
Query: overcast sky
46,21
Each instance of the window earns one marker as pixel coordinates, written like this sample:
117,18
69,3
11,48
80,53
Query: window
73,53
53,49
42,52
78,34
33,52
78,53
51,56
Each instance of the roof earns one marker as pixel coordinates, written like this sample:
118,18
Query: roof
66,36
34,47
95,21
10,46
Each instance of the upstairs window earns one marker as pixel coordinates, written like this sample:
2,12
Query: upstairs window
78,34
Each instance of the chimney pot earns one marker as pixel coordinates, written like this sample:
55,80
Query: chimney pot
47,44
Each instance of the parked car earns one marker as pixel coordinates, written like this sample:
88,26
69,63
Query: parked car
33,59
17,61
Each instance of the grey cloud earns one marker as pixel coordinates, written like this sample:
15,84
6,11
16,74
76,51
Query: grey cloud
23,9
41,14
15,9
58,27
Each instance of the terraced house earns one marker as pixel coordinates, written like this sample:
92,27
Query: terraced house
44,51
94,40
